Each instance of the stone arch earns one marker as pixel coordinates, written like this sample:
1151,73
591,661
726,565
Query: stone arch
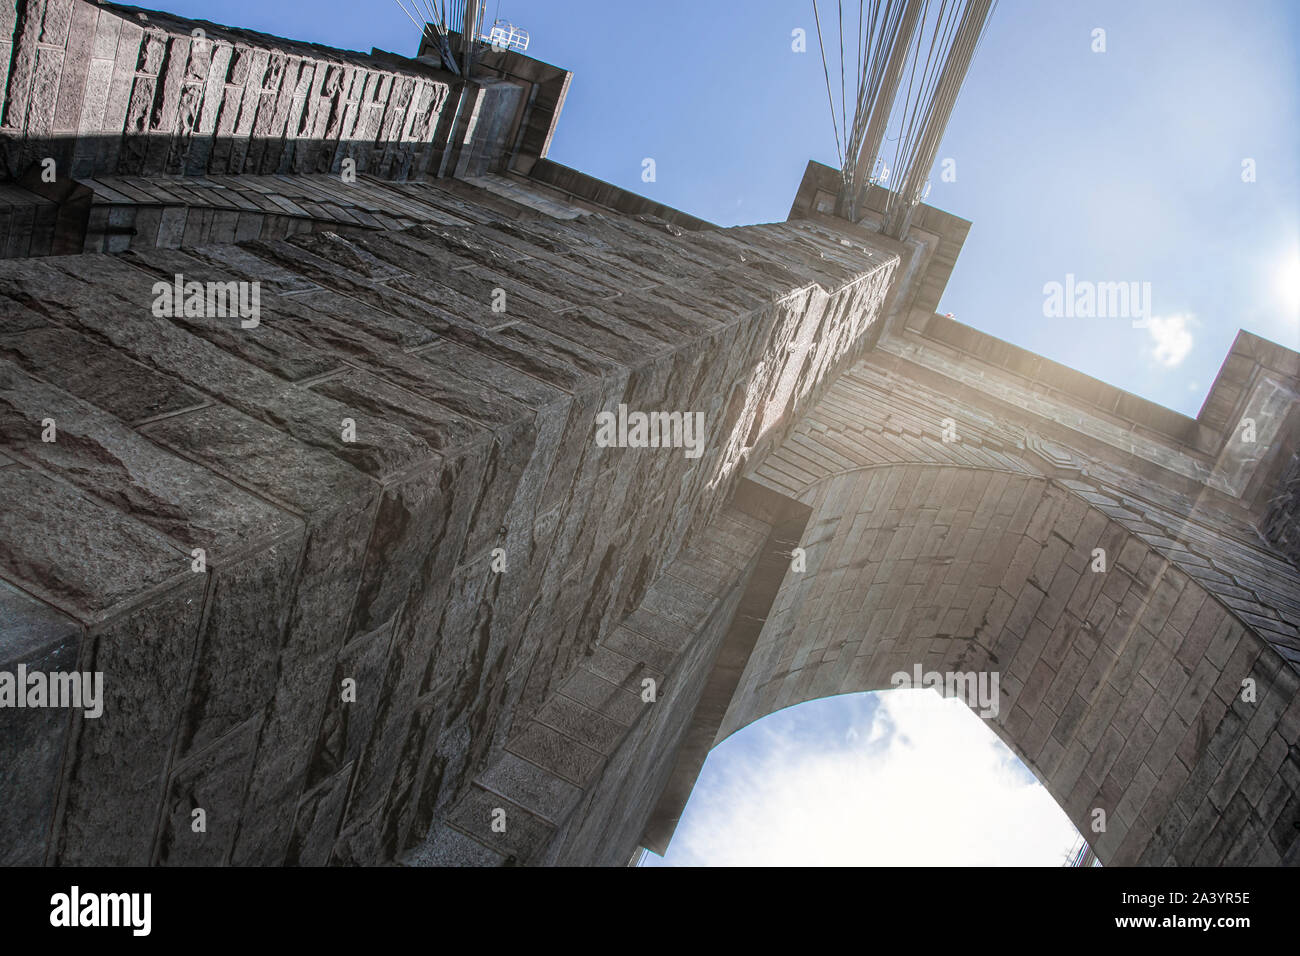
1118,689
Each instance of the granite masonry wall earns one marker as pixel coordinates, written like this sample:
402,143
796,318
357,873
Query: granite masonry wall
364,588
108,89
577,784
458,560
187,132
1123,687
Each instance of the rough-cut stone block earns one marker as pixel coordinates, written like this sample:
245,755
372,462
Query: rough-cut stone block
32,740
213,781
114,781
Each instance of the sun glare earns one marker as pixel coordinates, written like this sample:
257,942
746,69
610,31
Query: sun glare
1286,282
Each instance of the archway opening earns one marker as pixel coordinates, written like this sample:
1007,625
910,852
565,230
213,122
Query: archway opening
891,778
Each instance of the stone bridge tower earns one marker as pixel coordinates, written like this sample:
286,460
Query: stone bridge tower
361,582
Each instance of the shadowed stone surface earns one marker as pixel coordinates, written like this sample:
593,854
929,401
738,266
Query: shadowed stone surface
428,594
467,441
32,741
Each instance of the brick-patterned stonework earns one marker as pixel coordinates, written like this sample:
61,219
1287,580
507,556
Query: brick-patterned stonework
578,781
110,89
497,585
1119,689
139,104
371,559
1281,523
1122,689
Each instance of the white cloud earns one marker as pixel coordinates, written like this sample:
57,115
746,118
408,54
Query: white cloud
1286,283
1171,338
925,784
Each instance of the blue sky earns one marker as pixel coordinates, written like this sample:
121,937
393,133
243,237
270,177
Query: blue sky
895,778
1117,166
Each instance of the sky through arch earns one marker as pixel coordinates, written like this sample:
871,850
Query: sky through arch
889,778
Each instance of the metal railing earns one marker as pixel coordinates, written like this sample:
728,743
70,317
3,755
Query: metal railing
504,35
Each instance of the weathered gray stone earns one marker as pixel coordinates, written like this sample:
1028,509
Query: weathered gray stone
213,781
501,587
114,778
32,740
317,822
